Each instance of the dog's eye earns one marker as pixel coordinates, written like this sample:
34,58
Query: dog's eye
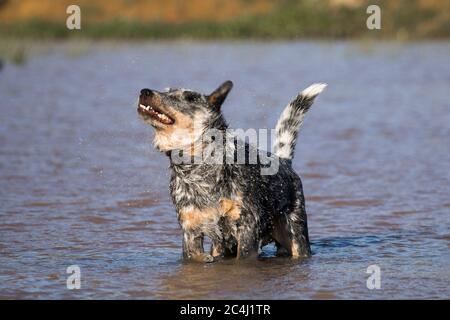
191,96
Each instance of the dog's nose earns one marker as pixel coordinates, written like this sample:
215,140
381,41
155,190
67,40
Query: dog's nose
146,92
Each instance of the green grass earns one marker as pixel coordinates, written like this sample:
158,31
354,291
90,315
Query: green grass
290,20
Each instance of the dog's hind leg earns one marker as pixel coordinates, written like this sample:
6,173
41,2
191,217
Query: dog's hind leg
281,251
289,236
298,228
299,245
290,231
281,235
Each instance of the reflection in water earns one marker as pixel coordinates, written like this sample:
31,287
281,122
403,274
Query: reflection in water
230,278
81,184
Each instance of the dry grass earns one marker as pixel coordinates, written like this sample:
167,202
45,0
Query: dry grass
225,19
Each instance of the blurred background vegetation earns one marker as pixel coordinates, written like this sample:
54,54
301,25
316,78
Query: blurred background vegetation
224,19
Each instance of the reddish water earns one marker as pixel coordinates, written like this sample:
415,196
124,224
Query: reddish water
80,183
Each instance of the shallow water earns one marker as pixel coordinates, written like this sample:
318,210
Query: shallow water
81,184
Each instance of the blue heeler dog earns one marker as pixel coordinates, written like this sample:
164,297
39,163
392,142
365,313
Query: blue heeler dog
230,202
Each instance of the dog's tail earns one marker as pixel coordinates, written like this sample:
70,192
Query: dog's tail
292,118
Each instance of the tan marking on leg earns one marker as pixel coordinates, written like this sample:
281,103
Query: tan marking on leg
191,218
294,249
216,250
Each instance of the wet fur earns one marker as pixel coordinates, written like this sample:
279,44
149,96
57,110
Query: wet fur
239,209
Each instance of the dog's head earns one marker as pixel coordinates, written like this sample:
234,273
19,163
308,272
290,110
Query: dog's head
181,116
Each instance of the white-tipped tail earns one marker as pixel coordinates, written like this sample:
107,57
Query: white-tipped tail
313,90
292,118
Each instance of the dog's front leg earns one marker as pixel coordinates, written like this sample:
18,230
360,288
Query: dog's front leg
247,242
193,247
217,248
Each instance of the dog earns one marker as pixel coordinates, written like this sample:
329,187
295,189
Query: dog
239,209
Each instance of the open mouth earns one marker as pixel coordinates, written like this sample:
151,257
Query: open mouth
155,114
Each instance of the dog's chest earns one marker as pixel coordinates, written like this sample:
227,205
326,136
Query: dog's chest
202,200
195,185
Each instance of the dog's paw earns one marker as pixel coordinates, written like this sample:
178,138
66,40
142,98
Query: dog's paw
208,258
204,258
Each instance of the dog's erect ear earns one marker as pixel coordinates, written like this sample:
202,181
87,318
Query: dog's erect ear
218,96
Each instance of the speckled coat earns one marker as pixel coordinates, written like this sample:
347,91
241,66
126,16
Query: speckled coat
233,204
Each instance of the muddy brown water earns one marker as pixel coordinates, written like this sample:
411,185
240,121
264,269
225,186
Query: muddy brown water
80,183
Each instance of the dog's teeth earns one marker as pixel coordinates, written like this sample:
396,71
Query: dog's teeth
160,116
